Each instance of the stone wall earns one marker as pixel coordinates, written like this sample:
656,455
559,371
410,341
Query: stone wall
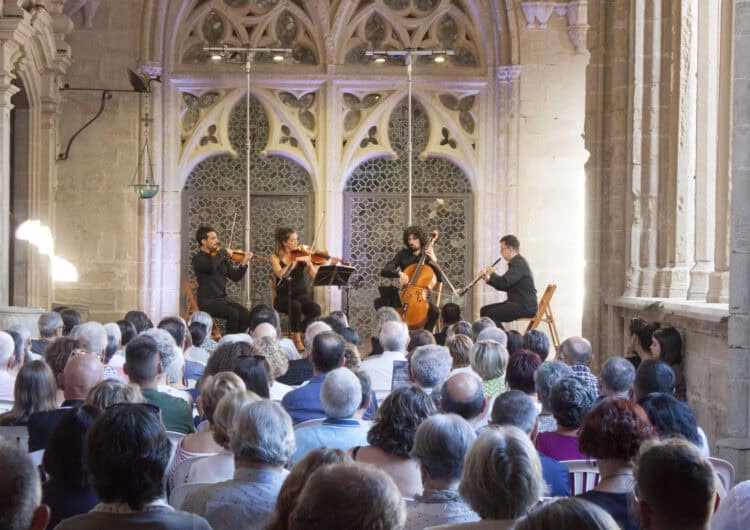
97,214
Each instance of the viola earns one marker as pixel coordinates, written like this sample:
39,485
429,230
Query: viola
318,257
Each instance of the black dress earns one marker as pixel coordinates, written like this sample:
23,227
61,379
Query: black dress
294,297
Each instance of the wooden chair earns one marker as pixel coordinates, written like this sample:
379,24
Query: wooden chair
191,306
584,475
724,470
544,314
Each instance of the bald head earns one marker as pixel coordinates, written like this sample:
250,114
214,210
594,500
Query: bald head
7,347
462,394
264,329
576,350
81,374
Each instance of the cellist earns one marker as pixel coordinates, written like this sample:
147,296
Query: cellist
415,243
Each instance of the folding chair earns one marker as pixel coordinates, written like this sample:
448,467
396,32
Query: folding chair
544,314
584,475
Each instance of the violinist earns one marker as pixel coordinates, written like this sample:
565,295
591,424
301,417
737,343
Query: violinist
415,244
212,267
293,286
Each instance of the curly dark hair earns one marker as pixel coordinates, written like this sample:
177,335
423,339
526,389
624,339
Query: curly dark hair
416,231
520,372
398,418
570,400
643,331
224,357
615,428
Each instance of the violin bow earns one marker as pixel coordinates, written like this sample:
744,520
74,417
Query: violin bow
317,231
231,235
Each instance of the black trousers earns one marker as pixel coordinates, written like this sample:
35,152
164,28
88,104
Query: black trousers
301,311
505,312
237,317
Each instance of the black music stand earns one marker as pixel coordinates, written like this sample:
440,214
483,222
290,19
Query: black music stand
335,276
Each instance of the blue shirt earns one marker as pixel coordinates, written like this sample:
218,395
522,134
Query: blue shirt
556,475
334,433
303,403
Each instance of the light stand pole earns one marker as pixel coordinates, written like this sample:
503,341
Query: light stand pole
408,55
231,54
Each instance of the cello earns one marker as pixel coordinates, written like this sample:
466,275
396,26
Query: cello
422,279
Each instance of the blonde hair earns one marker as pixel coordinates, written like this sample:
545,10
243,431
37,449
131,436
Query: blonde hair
226,413
110,392
459,347
270,349
489,359
215,387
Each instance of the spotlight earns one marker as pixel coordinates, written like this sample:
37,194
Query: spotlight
278,57
440,59
216,56
380,59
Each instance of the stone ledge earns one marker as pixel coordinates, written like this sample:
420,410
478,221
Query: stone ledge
669,306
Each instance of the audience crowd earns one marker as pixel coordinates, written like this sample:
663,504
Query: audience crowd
174,426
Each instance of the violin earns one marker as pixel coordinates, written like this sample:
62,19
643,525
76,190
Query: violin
236,255
317,257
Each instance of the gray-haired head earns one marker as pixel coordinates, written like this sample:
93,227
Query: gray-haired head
7,349
231,338
570,401
312,331
489,359
394,336
170,355
480,325
49,324
341,393
386,314
94,334
496,334
20,489
264,329
546,376
441,444
576,350
430,365
203,318
515,408
264,434
617,377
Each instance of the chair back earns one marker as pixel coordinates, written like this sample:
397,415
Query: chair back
16,435
724,470
584,475
544,315
191,304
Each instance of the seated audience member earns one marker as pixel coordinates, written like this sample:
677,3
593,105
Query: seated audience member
616,378
570,400
576,353
172,363
733,513
201,317
480,325
537,342
666,345
675,485
459,328
612,433
301,370
353,360
417,338
515,342
254,372
430,365
140,320
57,354
127,452
493,333
34,391
520,372
50,326
270,349
545,377
199,444
653,376
296,480
368,396
489,359
462,394
303,403
440,447
340,396
198,334
566,513
639,345
143,367
93,334
190,474
347,496
394,337
385,314
264,330
127,333
67,490
20,491
450,313
114,339
391,437
262,313
262,444
223,359
459,347
7,366
81,374
110,392
70,317
502,478
672,417
191,369
517,409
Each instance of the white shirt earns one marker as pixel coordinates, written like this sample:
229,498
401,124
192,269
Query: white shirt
205,470
380,370
277,391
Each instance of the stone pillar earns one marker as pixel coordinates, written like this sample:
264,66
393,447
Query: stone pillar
7,51
736,447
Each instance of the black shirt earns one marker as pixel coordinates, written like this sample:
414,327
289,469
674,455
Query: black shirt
518,283
403,259
212,273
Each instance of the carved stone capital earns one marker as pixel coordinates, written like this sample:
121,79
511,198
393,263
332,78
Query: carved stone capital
538,13
86,7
